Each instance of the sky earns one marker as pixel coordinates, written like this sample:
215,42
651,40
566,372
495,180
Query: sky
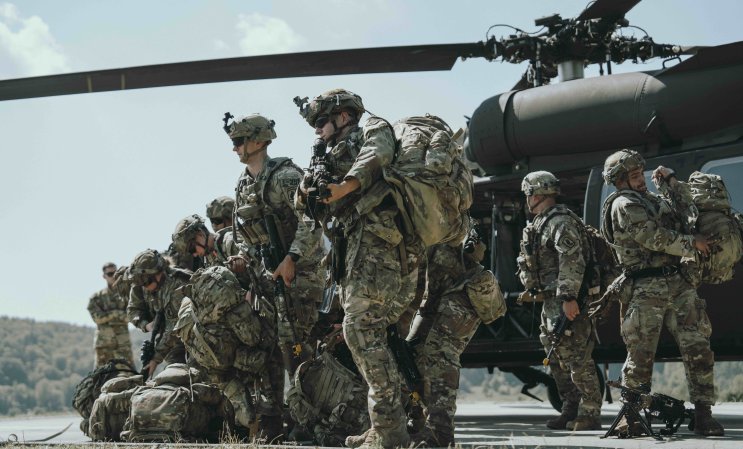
97,177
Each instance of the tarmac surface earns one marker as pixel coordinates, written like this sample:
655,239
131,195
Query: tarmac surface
480,425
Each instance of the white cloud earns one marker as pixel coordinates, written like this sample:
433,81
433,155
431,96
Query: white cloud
220,45
29,44
266,35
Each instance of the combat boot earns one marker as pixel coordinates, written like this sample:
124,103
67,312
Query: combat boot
704,423
585,423
569,413
354,441
430,438
270,429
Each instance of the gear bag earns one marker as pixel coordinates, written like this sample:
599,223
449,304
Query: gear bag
485,295
111,409
329,400
177,410
720,224
88,390
432,184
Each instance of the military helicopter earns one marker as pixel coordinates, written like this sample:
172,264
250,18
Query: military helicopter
685,116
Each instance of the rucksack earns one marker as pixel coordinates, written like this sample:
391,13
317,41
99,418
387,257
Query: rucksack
329,400
433,184
720,224
111,409
88,390
176,408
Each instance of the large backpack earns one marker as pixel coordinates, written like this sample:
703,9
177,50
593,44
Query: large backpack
174,407
720,224
329,400
433,184
111,409
88,390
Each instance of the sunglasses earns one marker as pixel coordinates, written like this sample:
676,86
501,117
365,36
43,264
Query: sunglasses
322,121
216,221
109,273
238,141
149,280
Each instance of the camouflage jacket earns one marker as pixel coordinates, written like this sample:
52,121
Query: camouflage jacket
362,155
272,193
649,230
108,308
554,252
142,309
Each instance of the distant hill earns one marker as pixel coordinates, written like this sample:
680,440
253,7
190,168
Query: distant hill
42,362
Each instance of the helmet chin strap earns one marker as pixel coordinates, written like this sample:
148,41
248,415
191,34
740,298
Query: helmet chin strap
338,129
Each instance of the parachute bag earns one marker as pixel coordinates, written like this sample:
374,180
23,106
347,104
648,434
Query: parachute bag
88,390
716,221
485,295
433,186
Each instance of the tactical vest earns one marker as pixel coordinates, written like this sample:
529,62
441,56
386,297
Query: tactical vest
251,206
630,254
328,398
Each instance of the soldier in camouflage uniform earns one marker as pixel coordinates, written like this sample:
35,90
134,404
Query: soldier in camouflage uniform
233,345
219,212
650,235
442,328
554,255
108,310
191,236
159,293
376,266
264,200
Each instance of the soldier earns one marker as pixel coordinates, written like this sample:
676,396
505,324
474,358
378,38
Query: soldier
553,260
159,294
375,265
219,212
270,229
444,325
234,346
191,236
108,310
649,235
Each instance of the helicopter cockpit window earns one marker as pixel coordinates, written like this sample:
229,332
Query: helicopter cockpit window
607,190
730,170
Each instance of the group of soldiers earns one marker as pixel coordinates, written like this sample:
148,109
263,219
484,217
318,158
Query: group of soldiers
267,250
648,234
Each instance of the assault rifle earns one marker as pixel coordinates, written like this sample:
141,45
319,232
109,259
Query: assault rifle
147,351
317,179
670,411
405,362
273,254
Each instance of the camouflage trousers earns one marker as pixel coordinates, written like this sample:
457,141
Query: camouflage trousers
669,301
302,302
572,365
452,326
112,342
374,294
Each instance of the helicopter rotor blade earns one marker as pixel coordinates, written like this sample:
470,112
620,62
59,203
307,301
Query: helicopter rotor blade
290,65
610,9
710,57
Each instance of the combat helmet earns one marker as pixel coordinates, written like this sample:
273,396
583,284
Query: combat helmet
540,183
330,102
621,162
186,231
146,264
250,127
220,207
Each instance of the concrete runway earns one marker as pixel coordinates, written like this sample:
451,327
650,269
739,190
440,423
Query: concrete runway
515,425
